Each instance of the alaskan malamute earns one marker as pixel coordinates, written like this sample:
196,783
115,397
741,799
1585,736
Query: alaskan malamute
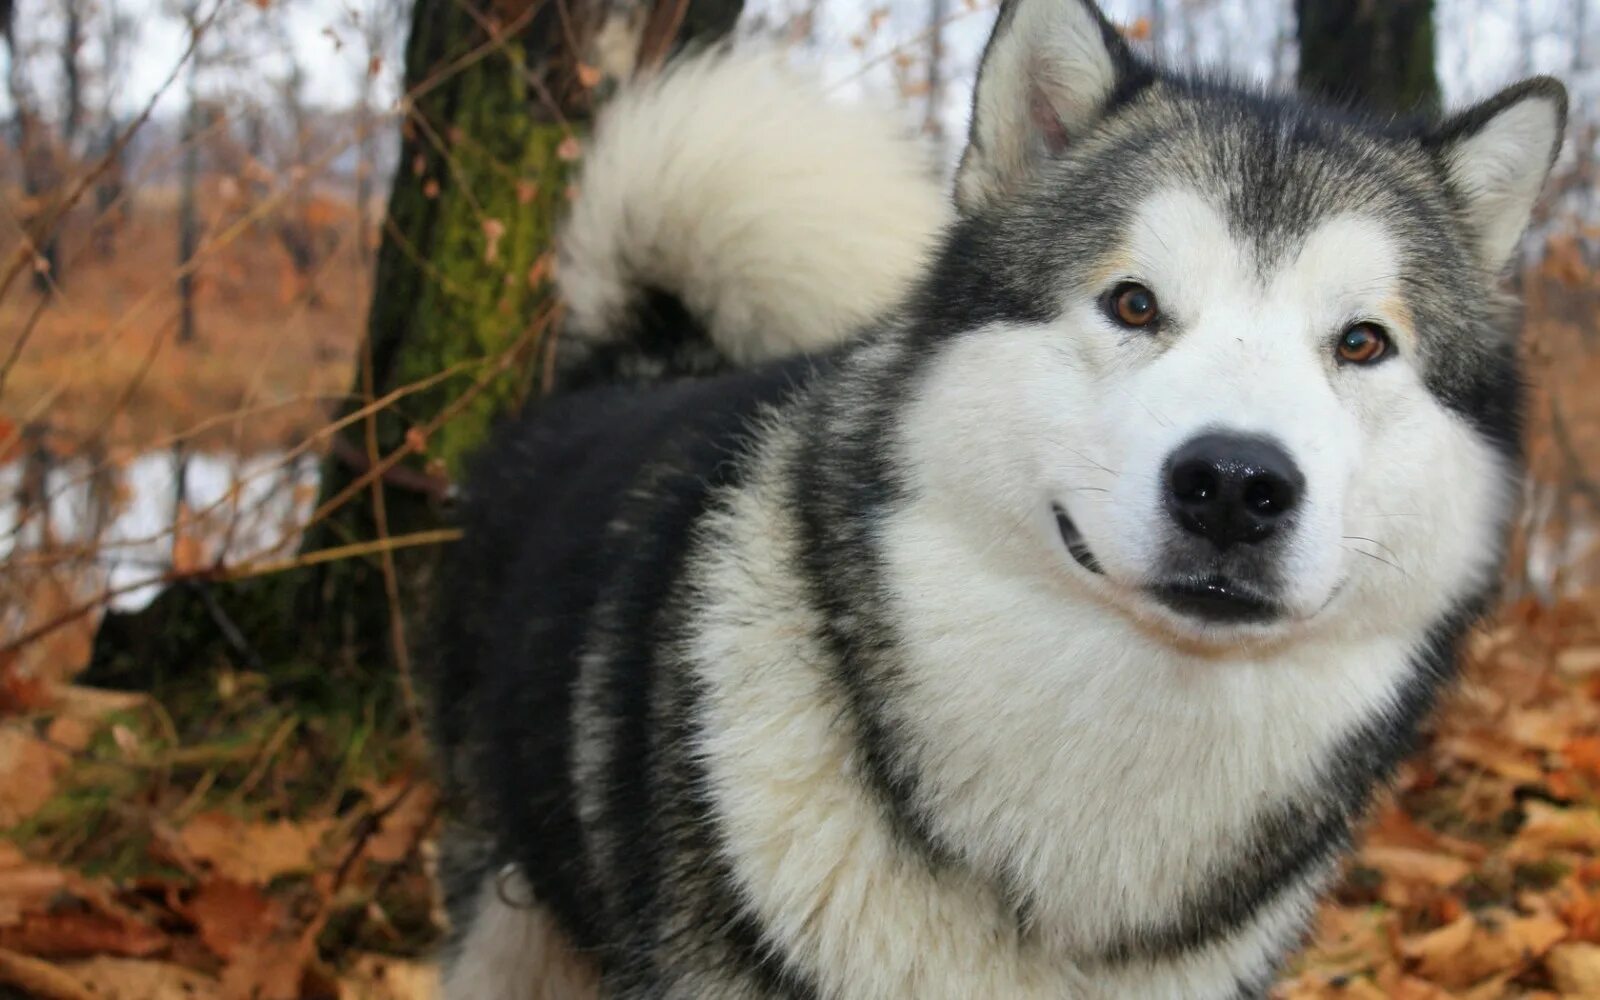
1013,595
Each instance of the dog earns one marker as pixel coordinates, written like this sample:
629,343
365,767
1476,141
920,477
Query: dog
1017,594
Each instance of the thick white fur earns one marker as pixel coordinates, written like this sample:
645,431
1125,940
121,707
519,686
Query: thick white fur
1500,169
782,219
1076,741
1051,59
515,952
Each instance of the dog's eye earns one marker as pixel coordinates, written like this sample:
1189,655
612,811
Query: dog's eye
1132,305
1363,344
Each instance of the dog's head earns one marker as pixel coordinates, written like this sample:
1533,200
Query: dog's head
1236,363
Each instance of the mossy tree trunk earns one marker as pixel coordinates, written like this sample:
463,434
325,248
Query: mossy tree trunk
1376,54
498,96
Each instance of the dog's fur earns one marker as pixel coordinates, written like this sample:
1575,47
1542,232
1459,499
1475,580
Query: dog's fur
784,658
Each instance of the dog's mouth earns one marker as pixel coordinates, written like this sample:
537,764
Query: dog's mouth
1213,599
1076,546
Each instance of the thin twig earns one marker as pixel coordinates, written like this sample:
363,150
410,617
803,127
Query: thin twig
391,579
222,573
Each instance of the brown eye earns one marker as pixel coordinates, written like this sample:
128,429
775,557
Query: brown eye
1133,305
1363,344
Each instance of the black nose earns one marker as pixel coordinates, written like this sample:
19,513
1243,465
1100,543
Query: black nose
1232,489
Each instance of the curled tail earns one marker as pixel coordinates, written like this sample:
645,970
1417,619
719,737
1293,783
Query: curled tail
729,213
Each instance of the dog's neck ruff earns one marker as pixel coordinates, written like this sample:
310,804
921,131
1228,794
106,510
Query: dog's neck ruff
993,750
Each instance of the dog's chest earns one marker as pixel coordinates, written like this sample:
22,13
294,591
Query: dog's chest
1109,781
1083,779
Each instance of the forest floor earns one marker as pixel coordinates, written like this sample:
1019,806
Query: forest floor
228,835
210,831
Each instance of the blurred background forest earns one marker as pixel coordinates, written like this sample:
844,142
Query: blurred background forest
269,268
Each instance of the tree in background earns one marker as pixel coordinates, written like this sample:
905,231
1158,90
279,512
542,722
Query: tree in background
36,147
189,183
460,323
463,270
118,33
1371,53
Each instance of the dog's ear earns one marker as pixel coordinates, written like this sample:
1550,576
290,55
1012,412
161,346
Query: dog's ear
1497,155
1047,72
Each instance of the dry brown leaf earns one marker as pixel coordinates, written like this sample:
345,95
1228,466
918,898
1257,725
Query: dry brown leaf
39,979
73,933
69,734
130,979
27,888
252,853
1477,946
1493,988
1348,941
231,917
272,969
1579,662
1575,968
64,651
405,819
1412,988
1548,827
379,977
1411,865
29,768
1547,729
1492,754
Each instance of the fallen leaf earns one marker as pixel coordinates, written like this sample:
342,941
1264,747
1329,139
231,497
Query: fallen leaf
252,853
75,933
1480,945
29,769
1583,754
129,979
272,969
1407,864
1492,754
1578,662
69,734
27,888
230,916
1547,827
406,807
1575,968
379,977
1550,730
39,979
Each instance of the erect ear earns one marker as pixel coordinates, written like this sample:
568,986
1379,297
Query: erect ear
1497,156
1046,75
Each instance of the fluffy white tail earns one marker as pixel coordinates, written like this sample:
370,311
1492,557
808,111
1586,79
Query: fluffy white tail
779,219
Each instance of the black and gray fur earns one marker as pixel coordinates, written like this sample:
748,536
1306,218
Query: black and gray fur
619,529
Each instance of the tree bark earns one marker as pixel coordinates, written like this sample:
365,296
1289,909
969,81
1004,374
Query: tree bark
497,95
1375,54
189,183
